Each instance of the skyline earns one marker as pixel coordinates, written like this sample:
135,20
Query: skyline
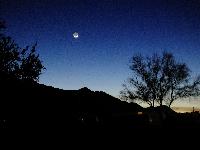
110,32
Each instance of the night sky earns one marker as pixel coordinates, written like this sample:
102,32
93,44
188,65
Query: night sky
110,32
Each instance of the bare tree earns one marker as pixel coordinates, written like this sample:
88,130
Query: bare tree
159,79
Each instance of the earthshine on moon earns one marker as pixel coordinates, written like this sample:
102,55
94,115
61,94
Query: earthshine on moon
75,35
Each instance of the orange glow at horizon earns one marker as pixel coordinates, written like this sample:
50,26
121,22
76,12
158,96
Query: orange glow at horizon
185,109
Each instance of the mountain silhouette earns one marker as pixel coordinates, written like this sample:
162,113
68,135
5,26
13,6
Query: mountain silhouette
28,104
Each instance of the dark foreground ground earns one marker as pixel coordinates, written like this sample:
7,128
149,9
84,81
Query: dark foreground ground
83,121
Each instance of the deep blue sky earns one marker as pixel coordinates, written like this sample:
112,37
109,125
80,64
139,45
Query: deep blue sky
111,31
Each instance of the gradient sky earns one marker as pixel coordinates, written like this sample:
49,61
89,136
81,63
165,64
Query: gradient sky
110,32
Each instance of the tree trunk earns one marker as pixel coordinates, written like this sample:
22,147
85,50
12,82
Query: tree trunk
170,105
161,101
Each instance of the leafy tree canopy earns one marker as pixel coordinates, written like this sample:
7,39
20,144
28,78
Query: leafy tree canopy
16,62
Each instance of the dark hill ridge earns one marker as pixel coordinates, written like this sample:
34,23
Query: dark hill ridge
27,104
36,106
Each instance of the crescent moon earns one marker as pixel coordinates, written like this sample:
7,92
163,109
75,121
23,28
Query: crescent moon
75,35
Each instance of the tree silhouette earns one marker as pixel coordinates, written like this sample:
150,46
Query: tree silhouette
159,79
15,62
31,66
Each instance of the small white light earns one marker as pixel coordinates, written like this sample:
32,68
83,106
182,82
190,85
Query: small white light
75,35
